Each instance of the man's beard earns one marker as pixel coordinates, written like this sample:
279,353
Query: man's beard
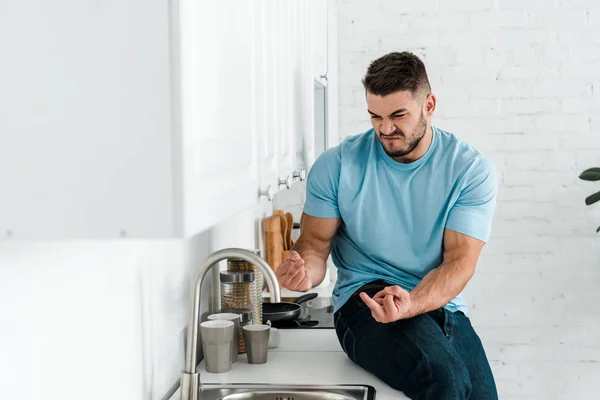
417,134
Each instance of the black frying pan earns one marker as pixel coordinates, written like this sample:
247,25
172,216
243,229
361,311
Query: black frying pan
285,311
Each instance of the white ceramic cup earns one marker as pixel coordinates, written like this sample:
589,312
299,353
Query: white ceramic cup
274,338
235,318
216,343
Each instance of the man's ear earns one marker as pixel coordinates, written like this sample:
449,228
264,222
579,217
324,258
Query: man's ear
429,105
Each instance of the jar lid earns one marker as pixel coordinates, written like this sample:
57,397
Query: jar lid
245,314
237,276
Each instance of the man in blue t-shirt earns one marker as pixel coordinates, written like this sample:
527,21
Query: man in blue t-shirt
404,209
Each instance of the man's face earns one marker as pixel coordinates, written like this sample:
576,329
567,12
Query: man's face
399,121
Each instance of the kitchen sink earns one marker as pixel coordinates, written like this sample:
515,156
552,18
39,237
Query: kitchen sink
286,392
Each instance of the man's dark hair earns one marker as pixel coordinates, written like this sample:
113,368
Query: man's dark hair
396,72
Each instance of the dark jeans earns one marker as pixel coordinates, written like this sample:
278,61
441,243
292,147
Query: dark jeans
433,356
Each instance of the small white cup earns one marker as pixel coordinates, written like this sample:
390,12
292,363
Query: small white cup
235,318
216,344
274,338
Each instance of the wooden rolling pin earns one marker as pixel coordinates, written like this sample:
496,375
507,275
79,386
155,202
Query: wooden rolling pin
273,241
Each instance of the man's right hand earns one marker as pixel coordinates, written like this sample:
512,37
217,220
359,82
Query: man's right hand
292,273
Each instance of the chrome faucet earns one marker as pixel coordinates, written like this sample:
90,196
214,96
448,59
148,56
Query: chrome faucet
190,379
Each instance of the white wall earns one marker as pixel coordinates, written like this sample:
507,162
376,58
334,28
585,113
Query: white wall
107,315
518,79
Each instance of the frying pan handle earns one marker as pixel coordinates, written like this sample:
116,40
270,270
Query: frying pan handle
305,297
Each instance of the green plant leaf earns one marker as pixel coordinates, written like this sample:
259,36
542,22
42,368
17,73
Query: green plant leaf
591,174
592,199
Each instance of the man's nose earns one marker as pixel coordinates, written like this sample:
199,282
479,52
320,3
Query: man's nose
387,128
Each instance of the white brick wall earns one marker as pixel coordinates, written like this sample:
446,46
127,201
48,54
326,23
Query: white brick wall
520,79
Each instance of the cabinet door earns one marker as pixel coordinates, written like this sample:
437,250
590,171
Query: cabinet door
85,120
320,48
299,64
268,114
286,65
286,98
219,158
309,16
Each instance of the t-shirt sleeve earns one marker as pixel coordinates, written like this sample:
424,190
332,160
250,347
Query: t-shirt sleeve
322,186
473,211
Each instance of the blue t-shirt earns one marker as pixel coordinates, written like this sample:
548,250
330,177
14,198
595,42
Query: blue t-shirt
393,214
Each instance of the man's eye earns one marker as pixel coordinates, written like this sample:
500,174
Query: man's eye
399,116
375,117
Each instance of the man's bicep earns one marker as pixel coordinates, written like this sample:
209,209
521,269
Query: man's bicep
319,229
458,246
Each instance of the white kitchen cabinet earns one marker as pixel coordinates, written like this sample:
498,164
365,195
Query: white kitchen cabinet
88,143
280,55
149,118
320,47
266,116
286,57
125,118
304,127
285,72
218,90
325,96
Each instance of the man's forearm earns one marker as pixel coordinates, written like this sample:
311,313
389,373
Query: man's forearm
441,285
315,256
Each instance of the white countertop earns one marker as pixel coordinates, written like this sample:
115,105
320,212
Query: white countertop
304,356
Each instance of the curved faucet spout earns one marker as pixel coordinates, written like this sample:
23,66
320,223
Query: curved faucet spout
190,380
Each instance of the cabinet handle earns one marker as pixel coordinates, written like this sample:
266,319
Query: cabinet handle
268,193
301,175
287,182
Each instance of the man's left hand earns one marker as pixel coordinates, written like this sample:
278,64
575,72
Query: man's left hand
391,304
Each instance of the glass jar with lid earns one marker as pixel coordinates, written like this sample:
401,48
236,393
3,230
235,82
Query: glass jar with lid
238,290
245,319
238,264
